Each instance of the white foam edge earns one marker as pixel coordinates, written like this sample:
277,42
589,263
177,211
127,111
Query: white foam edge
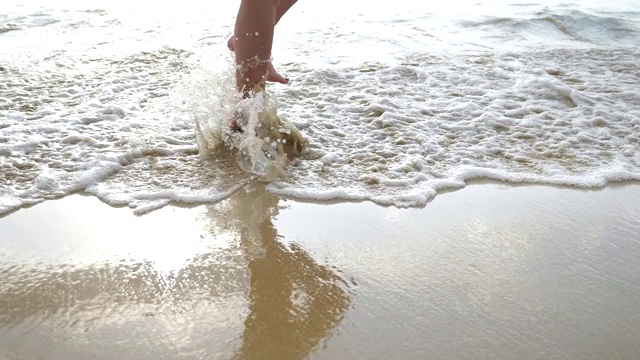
417,196
421,194
144,203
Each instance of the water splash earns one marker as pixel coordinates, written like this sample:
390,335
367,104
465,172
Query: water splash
263,143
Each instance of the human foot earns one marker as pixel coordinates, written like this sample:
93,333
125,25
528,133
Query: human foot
272,74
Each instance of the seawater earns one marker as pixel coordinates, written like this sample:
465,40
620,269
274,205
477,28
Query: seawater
396,100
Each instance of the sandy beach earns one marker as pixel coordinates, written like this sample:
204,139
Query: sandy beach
491,271
129,231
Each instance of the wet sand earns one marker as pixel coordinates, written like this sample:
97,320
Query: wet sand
490,271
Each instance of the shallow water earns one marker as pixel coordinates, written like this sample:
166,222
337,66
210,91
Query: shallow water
397,100
489,272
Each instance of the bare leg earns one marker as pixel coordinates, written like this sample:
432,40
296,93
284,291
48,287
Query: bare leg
283,7
272,74
254,38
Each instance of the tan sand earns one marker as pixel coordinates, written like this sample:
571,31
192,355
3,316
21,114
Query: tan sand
486,272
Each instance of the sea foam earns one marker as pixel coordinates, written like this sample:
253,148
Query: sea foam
534,95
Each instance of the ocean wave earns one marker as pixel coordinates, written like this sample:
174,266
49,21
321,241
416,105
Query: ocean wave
552,25
4,28
113,114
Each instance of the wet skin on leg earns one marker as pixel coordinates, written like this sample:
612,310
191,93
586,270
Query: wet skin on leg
272,75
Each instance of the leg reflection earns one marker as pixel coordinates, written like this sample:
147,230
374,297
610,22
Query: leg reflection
116,308
295,303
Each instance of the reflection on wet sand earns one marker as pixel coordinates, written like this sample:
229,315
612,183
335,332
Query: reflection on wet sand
117,309
295,302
